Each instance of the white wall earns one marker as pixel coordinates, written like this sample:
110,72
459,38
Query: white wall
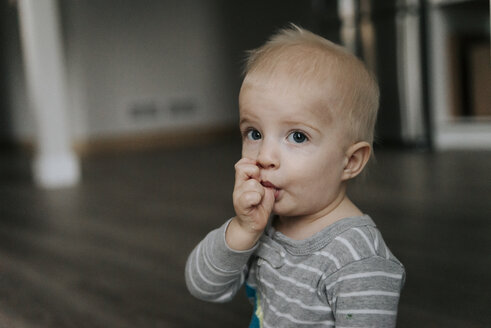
20,119
122,54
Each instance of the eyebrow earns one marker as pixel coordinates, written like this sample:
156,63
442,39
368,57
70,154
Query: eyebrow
302,123
243,121
246,119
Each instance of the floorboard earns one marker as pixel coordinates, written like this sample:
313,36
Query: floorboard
111,251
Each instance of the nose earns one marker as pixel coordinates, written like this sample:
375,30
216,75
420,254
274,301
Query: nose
268,157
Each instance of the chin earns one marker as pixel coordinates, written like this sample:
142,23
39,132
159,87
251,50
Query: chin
277,210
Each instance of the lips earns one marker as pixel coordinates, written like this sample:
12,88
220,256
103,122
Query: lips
267,184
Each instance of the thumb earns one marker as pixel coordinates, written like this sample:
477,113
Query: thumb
268,201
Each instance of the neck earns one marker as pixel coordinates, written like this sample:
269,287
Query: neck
302,227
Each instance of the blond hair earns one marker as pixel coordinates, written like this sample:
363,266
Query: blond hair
345,86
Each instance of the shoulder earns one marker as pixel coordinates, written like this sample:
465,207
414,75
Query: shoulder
354,239
362,259
358,243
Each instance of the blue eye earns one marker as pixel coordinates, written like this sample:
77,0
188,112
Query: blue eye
254,135
297,137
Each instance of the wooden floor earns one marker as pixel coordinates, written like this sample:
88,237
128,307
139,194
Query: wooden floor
111,252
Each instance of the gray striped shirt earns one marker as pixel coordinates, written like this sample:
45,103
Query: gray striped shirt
343,276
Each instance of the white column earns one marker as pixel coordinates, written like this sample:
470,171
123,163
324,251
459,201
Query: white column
409,72
347,12
55,164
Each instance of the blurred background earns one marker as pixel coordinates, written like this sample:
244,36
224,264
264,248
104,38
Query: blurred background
118,135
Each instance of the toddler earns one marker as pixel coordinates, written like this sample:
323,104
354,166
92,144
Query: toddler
309,257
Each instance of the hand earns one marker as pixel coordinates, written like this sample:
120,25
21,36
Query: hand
253,204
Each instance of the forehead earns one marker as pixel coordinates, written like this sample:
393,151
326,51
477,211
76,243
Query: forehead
282,99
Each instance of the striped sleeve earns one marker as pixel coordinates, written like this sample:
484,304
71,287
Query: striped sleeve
214,272
366,293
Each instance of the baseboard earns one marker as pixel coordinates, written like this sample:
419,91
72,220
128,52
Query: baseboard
155,140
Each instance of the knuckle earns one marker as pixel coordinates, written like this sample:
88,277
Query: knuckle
251,197
241,161
252,184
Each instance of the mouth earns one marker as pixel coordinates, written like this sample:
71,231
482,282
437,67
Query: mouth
267,184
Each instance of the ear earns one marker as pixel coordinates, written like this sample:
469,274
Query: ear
357,157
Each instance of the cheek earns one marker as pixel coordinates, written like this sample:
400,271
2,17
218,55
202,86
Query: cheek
318,173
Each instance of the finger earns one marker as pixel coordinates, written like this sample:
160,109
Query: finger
244,172
246,160
250,185
249,199
268,201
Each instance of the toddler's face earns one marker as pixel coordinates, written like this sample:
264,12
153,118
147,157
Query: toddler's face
298,147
